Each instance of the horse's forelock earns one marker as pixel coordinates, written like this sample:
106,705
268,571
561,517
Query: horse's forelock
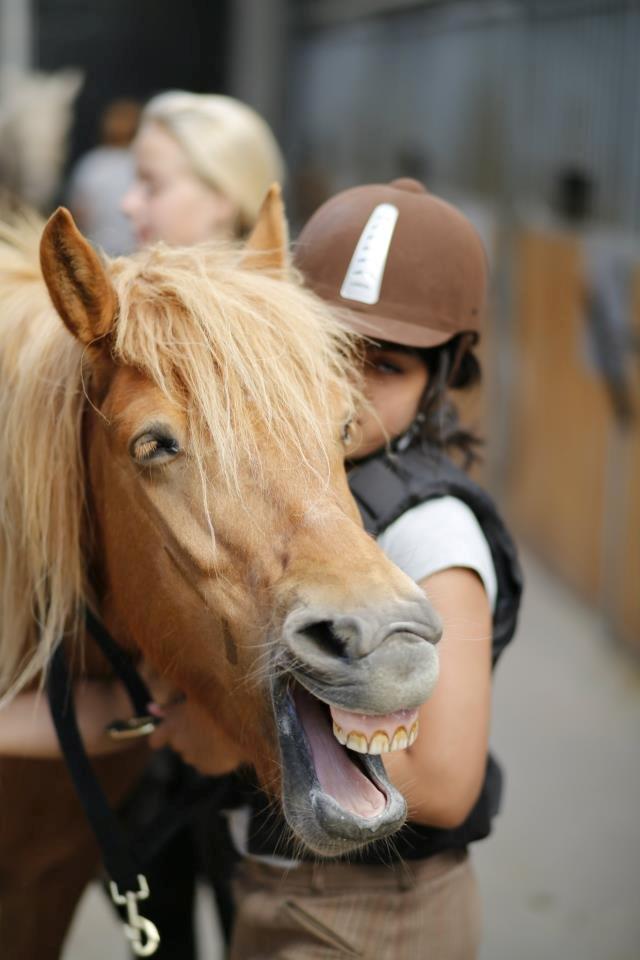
246,345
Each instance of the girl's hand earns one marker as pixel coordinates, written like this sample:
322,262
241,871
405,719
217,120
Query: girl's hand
189,729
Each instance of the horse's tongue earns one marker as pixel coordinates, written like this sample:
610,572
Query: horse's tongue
337,773
369,725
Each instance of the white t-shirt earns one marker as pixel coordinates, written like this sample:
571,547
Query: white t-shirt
436,535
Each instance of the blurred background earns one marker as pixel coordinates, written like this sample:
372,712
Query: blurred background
526,113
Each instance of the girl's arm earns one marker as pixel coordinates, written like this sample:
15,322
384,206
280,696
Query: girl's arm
442,772
26,727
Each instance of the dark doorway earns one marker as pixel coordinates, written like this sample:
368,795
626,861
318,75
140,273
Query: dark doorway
131,48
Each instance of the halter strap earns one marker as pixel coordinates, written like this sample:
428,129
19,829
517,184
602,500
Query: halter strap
121,663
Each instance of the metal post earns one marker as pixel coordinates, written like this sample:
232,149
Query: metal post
259,42
15,36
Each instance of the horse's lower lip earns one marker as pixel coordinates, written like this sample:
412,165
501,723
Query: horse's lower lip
330,821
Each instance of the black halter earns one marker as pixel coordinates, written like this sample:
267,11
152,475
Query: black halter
123,856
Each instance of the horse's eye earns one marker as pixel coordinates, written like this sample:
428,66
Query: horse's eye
154,447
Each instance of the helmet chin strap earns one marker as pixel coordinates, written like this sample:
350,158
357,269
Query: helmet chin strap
447,379
404,441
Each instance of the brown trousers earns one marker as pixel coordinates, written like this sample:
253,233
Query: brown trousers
425,909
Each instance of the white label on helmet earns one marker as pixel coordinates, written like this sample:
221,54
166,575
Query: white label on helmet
363,279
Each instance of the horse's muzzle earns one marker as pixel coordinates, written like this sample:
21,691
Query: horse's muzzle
372,662
379,667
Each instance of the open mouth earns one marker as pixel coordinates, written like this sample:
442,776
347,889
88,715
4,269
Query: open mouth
337,795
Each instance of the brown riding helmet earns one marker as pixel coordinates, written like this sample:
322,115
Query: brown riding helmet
410,268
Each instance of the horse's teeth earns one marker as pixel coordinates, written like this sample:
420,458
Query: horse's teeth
357,742
400,739
413,733
339,734
379,743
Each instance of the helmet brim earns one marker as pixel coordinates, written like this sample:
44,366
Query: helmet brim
392,331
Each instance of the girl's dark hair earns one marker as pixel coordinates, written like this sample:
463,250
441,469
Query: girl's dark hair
451,366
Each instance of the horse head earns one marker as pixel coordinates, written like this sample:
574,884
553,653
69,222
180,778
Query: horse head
225,544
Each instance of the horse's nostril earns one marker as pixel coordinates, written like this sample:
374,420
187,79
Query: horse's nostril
324,635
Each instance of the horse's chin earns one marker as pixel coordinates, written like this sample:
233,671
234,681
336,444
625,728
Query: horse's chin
334,800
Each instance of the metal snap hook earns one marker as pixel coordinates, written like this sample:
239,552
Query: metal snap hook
141,932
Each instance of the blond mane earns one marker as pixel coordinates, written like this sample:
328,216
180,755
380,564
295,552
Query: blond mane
244,352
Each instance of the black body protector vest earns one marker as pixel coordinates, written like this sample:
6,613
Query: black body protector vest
385,486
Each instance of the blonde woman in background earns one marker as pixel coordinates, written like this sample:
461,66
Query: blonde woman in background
203,165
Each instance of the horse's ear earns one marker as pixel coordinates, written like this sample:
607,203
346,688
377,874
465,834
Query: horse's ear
268,245
76,279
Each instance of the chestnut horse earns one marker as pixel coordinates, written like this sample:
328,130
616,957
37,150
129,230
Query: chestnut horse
172,455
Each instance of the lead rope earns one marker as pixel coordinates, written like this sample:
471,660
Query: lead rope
128,885
122,856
